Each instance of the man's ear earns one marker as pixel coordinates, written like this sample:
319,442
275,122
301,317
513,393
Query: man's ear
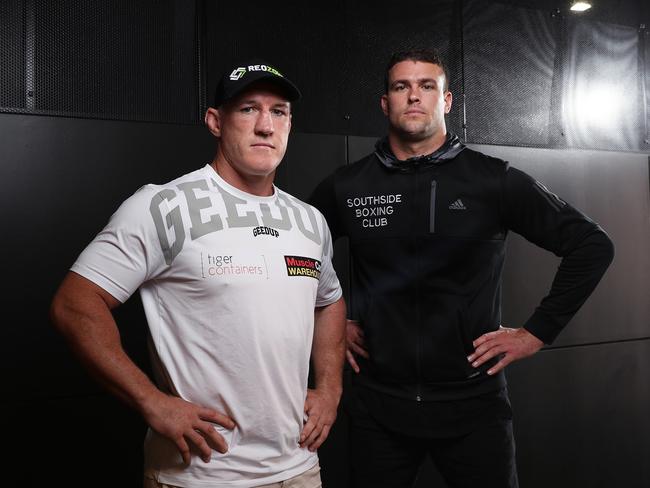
384,104
213,121
448,100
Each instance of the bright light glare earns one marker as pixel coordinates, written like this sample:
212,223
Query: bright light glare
599,107
580,6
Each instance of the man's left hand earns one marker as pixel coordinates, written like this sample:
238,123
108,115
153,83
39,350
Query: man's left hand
510,344
320,407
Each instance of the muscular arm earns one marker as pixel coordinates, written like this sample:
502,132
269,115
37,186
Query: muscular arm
576,277
586,251
81,311
328,353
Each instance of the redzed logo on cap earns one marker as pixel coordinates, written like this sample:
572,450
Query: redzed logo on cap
237,73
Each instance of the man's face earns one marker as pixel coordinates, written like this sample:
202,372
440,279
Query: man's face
253,129
416,102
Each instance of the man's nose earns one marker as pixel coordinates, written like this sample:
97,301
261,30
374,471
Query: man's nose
264,124
414,95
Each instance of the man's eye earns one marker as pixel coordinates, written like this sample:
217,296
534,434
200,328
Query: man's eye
428,86
399,87
246,110
279,112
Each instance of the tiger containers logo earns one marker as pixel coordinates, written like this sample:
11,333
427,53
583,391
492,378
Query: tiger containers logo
302,266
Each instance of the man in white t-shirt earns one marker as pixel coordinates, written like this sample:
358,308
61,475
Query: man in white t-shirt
238,289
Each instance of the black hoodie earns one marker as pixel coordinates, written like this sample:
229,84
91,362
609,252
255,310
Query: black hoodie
427,238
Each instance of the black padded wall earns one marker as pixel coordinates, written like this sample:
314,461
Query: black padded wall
61,179
580,415
55,157
612,188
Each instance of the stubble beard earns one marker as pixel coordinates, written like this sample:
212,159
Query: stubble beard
414,132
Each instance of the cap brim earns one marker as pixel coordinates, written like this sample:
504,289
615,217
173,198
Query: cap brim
288,88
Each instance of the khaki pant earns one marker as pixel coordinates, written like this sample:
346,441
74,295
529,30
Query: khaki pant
308,479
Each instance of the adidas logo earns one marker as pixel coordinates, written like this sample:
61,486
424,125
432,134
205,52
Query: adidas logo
457,205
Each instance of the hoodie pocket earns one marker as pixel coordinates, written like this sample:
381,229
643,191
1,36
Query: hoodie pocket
390,330
445,340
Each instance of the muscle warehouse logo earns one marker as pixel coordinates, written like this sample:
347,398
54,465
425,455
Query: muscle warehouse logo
237,73
301,266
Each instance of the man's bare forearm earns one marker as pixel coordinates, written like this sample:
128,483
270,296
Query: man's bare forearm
81,311
328,351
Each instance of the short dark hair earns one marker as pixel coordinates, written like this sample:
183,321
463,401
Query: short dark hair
425,55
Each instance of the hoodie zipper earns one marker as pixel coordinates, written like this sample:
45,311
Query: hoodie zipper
432,228
432,207
418,291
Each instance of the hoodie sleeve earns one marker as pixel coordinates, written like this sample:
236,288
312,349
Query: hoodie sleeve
546,220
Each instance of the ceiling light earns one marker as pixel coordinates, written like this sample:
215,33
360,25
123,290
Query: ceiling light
580,6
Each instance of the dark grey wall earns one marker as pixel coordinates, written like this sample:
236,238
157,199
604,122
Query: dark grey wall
580,405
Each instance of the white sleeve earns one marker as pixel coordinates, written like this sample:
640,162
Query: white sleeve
126,252
329,288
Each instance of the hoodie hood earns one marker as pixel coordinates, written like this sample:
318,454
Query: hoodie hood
449,150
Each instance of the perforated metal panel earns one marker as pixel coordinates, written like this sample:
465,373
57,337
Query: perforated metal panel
12,60
374,32
548,78
303,40
336,52
602,98
509,61
91,58
522,70
645,84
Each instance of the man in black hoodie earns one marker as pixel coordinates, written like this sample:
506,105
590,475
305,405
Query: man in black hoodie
427,220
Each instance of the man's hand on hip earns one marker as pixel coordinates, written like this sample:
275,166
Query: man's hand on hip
320,407
187,425
510,344
355,344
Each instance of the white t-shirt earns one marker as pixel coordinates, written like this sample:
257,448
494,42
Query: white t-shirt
229,282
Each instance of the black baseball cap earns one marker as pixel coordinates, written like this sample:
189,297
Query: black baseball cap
241,76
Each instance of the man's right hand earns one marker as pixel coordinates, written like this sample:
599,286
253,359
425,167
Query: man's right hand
187,425
355,344
82,311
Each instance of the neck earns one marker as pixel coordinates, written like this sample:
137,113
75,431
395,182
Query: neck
405,149
259,185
